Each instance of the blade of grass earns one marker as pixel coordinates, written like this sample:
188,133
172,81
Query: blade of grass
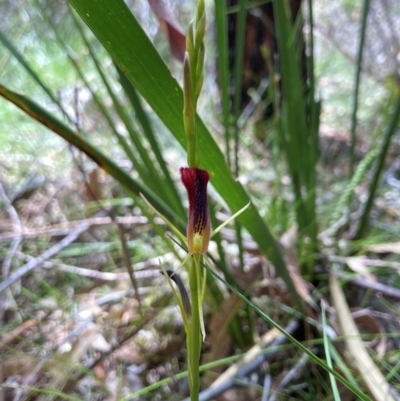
335,390
314,117
310,58
223,68
391,129
144,121
239,52
357,85
362,168
294,107
16,38
341,364
21,59
217,238
75,139
144,67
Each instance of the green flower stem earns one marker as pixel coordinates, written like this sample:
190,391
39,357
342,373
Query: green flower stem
193,80
193,337
189,115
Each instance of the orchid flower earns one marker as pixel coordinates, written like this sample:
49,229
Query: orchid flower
198,229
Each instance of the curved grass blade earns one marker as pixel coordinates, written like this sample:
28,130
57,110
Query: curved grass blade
327,346
391,129
21,59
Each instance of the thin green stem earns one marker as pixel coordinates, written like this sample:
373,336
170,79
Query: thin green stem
357,87
239,47
311,54
327,353
194,336
378,172
313,122
239,52
189,115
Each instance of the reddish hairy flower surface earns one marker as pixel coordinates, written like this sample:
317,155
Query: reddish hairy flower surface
198,229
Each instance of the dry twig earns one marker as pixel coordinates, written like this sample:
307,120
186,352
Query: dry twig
67,227
386,290
14,244
43,257
292,374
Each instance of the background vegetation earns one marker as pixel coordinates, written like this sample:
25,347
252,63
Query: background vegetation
85,313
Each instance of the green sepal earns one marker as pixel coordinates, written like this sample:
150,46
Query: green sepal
220,227
167,222
200,30
200,10
190,42
199,85
200,60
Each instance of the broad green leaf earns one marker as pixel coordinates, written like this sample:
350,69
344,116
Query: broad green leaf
123,37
